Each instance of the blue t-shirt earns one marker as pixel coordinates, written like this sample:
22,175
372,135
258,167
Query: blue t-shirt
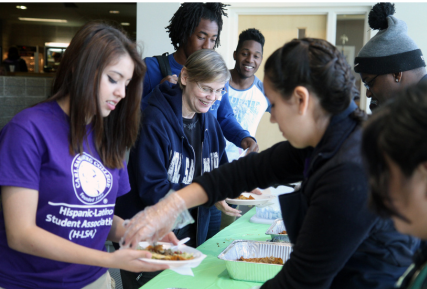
222,110
76,201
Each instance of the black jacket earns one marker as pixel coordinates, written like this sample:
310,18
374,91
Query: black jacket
338,242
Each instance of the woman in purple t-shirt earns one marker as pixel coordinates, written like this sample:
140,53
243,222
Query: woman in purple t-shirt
62,168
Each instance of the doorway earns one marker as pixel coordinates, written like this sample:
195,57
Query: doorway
277,30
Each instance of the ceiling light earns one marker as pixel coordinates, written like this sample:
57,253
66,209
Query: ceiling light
125,24
56,44
114,11
42,20
21,7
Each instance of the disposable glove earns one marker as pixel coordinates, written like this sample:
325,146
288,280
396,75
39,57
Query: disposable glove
154,222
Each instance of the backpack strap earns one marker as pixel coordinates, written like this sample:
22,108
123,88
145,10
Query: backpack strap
165,68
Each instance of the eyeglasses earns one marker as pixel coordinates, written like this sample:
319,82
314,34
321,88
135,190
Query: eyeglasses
219,92
370,84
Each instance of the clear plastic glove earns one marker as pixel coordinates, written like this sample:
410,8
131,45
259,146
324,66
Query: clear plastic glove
226,209
154,222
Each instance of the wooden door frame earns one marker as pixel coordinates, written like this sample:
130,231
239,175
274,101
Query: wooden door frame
331,10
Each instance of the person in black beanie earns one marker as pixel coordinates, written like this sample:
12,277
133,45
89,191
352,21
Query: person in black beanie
391,60
398,176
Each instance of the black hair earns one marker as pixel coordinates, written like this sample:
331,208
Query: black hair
377,17
317,65
13,53
395,126
187,18
251,34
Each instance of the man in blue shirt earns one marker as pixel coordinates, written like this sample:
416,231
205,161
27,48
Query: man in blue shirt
196,26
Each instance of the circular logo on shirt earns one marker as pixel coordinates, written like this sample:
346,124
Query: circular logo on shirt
91,180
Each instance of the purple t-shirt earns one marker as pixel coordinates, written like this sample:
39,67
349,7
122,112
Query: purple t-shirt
77,196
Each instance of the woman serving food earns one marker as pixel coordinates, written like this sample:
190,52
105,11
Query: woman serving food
338,242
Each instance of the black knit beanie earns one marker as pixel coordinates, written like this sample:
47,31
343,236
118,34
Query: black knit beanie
391,49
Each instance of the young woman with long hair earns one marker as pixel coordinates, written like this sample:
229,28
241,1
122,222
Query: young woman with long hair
62,168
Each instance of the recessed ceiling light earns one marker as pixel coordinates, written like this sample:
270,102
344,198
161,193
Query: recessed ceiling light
42,20
114,11
56,44
125,24
21,7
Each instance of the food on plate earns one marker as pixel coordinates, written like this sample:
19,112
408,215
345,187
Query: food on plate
283,233
158,252
266,260
242,197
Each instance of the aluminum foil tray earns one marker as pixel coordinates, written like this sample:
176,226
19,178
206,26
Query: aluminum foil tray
274,230
255,272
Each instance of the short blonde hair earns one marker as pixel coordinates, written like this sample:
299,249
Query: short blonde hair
205,65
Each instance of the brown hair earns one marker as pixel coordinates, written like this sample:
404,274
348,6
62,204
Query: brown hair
92,49
205,65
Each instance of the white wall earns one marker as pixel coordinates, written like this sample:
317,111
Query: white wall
151,20
414,15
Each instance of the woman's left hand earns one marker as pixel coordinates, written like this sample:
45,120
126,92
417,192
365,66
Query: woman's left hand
249,144
226,209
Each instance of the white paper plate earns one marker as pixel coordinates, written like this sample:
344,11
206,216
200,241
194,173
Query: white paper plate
198,256
259,199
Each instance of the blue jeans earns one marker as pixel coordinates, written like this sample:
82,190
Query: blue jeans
214,222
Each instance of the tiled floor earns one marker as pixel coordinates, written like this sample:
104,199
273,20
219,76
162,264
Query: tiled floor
115,273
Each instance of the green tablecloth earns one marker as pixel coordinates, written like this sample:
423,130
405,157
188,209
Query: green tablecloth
212,273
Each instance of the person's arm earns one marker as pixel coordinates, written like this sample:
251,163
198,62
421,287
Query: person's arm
278,165
147,87
23,235
149,161
154,77
222,205
336,223
118,230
